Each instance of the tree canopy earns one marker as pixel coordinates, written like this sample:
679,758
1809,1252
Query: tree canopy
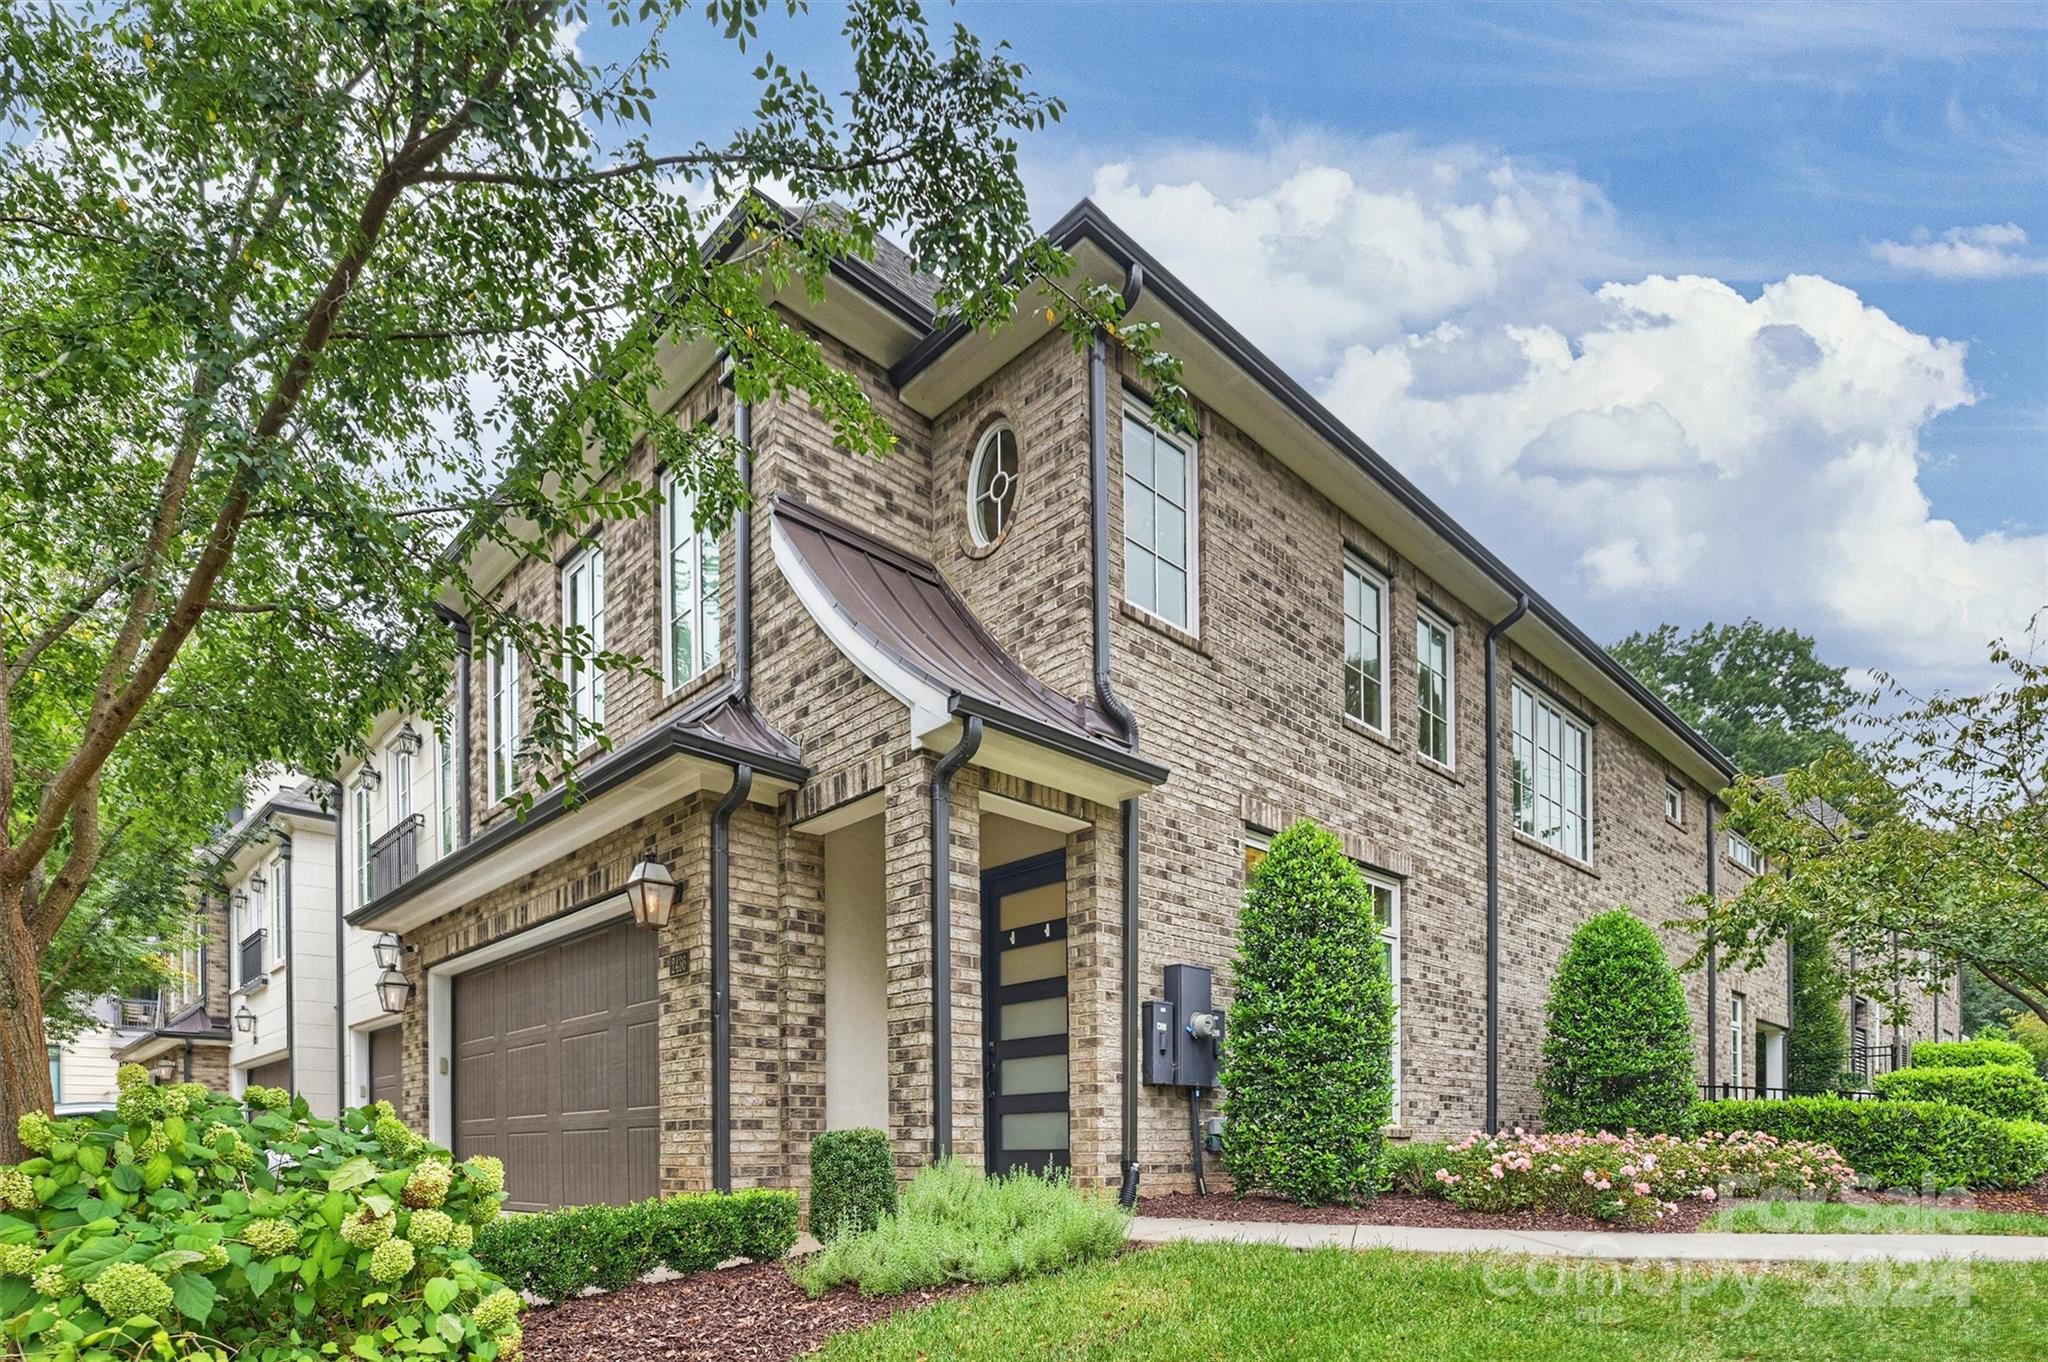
1759,694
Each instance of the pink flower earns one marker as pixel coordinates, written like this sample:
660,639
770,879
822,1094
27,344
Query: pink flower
1642,1189
1603,1184
1708,1194
1443,1175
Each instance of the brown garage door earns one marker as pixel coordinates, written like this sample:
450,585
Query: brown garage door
384,1065
275,1074
555,1069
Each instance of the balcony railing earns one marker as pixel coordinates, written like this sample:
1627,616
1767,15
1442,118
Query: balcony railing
395,857
140,1013
1762,1092
249,958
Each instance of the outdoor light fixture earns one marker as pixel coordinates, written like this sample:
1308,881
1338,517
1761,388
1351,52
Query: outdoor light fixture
393,990
259,882
386,949
652,890
240,900
367,778
245,1020
408,740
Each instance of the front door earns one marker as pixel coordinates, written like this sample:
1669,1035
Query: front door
1024,992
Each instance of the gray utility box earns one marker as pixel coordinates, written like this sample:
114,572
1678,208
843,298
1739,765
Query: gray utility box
1183,1031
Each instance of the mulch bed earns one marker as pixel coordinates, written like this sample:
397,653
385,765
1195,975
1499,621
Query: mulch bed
2020,1200
1396,1209
751,1313
2025,1201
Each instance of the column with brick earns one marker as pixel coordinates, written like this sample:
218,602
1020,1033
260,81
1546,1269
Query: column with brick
803,999
684,1045
1095,999
758,1146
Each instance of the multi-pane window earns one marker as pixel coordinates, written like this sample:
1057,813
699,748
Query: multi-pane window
1159,523
583,610
1365,645
56,1073
1553,776
1674,802
1435,700
1736,1004
444,785
1743,854
504,717
360,816
273,876
399,762
689,574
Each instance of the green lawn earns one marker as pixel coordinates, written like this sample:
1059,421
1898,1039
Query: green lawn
1245,1303
1834,1217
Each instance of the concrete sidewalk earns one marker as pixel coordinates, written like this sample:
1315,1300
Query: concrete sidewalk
1724,1248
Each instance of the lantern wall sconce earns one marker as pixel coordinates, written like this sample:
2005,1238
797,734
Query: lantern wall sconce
394,990
387,950
245,1021
239,900
652,891
407,741
367,778
259,882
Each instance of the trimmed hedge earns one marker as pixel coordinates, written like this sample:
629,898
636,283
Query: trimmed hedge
1410,1168
1617,1054
1965,1054
853,1182
1899,1144
2011,1092
554,1255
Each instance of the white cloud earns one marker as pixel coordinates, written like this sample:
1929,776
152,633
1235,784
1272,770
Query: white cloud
1992,251
1648,448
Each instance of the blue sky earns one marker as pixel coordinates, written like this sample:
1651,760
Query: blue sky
1466,227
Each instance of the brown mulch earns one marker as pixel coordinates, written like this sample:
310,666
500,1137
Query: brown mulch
1396,1209
751,1313
2024,1201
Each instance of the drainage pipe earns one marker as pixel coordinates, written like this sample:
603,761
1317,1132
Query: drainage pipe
1713,964
284,890
1493,857
721,976
344,1052
942,932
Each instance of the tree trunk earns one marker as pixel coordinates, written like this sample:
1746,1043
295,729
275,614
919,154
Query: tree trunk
24,1052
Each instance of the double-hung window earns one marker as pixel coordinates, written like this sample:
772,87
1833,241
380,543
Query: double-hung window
1159,522
399,763
583,613
444,784
279,894
1674,803
689,587
1435,698
1553,774
1365,645
504,717
1736,1007
1743,854
359,814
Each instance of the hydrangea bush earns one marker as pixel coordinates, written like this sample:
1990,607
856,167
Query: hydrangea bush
1630,1178
185,1225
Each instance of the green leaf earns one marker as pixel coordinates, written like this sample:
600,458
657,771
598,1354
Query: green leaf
260,1276
440,1292
449,1327
353,1173
126,1178
366,1347
193,1295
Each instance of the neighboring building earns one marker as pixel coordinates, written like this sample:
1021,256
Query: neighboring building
889,655
82,1069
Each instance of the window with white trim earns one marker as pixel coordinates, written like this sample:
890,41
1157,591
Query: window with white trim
398,762
1743,854
1159,522
279,895
1553,774
1365,645
444,784
504,718
992,485
359,814
583,609
1674,803
56,1055
689,577
1736,1006
1435,697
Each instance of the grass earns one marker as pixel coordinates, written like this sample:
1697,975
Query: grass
1834,1217
1253,1303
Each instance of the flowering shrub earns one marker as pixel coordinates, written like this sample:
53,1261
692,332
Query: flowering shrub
185,1225
1631,1178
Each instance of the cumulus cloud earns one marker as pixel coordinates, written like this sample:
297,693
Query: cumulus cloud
1992,251
1644,446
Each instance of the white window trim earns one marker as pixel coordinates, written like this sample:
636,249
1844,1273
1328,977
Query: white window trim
1674,804
503,718
359,812
1192,449
398,795
706,659
1355,563
586,708
1540,700
1425,615
279,899
444,783
1736,1008
982,447
1744,854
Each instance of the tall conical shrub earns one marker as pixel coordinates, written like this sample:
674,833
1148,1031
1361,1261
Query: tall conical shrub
1618,1054
1308,1052
1817,1049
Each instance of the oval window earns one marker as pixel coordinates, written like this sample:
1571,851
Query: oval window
992,485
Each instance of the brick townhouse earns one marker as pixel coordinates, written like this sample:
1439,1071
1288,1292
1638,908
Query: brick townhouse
1092,662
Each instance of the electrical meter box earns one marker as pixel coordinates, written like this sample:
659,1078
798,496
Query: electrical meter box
1159,1029
1183,1031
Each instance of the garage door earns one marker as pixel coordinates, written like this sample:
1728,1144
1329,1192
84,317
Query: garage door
555,1061
275,1074
384,1065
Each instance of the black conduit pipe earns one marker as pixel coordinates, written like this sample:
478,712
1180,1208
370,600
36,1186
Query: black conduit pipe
1713,965
721,976
1493,857
1195,1140
343,1050
284,891
743,556
942,933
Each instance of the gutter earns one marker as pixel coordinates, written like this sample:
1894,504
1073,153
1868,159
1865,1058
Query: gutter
1713,964
1493,635
291,1048
942,932
1004,720
721,976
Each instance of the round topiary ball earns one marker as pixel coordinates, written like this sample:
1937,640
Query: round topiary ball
1618,1053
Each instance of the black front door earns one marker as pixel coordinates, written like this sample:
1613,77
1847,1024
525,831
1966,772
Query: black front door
1024,993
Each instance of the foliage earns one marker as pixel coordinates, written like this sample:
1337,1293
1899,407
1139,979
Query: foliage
293,298
957,1225
2030,1033
1965,1054
556,1255
2011,1092
1308,1051
1758,694
1925,850
1915,1217
182,1221
1922,1146
1817,1047
853,1181
1985,1004
1617,1054
1410,1167
1635,1179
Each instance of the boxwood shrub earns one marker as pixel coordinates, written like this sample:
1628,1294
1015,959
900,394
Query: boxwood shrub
1618,1052
2011,1092
1964,1054
853,1181
1920,1145
555,1255
185,1224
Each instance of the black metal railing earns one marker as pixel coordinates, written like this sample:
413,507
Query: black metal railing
140,1013
249,958
395,857
1762,1092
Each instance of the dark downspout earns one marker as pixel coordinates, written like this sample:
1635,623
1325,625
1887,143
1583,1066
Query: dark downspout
342,1049
721,976
743,556
1493,856
1898,998
1713,964
284,889
188,1061
464,643
942,933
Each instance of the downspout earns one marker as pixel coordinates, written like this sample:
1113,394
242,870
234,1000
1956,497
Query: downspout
721,976
743,555
1713,964
284,889
464,649
342,1048
942,932
1493,635
1898,1000
1106,696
